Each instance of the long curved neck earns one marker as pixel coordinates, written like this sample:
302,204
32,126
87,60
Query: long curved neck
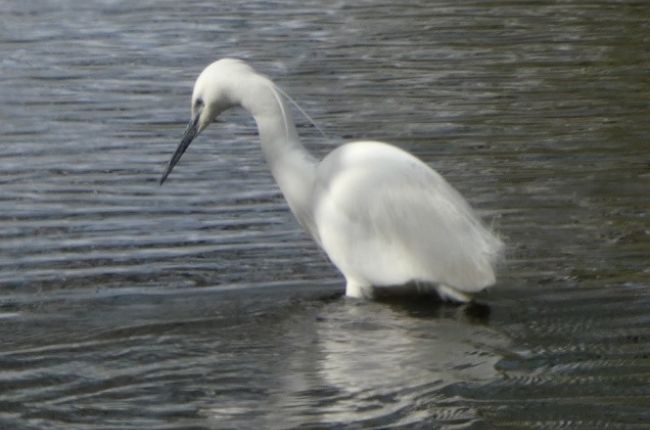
292,166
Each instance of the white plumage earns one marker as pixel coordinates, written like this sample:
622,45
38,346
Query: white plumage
383,217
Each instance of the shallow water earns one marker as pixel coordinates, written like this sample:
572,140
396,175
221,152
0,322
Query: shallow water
201,304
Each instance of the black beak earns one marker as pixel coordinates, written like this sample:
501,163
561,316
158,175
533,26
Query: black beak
190,133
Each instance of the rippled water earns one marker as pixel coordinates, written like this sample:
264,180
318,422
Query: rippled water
201,304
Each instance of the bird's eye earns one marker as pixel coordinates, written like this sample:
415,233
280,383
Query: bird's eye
198,103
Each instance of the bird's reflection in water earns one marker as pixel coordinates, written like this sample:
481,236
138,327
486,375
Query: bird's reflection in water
388,362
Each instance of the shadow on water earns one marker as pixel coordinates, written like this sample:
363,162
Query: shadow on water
430,306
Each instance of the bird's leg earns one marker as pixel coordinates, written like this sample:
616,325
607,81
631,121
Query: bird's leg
358,290
451,294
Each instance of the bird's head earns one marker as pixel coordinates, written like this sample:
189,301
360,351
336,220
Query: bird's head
219,87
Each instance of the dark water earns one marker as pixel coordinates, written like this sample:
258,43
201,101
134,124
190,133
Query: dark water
201,304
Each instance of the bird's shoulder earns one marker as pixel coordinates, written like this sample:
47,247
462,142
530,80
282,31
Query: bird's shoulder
366,150
376,163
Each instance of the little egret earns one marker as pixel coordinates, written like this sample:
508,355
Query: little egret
384,218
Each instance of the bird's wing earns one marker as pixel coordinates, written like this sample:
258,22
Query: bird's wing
385,217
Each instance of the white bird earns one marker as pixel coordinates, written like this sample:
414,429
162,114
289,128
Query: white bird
384,218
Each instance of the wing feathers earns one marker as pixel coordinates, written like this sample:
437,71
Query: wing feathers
386,217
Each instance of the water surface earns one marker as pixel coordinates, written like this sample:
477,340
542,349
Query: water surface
201,304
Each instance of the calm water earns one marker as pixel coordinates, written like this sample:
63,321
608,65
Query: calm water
201,304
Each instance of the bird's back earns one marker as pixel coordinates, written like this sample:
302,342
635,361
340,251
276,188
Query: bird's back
386,218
